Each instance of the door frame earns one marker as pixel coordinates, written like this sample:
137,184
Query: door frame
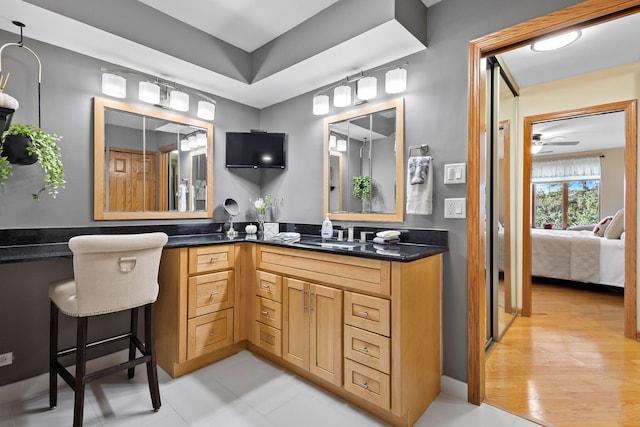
585,13
630,200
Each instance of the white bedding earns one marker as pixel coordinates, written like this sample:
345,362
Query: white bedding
578,256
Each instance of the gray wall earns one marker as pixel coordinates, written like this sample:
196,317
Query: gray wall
435,114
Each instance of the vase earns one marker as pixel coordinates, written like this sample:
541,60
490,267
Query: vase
261,224
15,149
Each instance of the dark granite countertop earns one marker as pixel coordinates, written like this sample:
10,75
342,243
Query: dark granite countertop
402,252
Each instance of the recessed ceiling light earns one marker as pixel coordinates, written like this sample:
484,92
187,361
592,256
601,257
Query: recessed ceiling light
556,42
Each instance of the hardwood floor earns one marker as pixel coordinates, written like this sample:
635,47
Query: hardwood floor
569,364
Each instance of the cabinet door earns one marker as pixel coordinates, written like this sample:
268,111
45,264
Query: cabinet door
325,333
295,327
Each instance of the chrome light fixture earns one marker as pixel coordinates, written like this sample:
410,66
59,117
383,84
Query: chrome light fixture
320,104
342,95
367,88
395,81
149,92
206,110
114,85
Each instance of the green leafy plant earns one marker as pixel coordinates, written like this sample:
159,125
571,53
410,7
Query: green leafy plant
48,152
362,187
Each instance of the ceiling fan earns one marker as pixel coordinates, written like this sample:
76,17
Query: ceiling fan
537,143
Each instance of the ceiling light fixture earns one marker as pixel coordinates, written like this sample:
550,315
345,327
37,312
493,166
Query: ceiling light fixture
536,148
555,42
366,88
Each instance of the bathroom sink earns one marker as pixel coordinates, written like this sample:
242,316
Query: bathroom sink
332,244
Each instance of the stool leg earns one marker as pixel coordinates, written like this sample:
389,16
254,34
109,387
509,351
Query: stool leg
132,346
150,348
81,360
53,355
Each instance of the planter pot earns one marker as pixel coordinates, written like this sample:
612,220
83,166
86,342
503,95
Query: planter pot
15,149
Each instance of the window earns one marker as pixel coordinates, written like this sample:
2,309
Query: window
566,192
565,204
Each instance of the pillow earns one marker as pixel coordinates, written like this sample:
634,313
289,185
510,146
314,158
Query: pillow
601,227
616,227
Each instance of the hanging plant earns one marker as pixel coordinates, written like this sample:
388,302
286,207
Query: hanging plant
362,187
39,146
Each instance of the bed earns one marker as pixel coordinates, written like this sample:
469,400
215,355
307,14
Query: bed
579,256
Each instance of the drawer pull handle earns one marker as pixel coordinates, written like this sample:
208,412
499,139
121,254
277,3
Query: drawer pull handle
213,259
265,340
265,287
363,385
214,293
213,334
362,313
363,349
265,313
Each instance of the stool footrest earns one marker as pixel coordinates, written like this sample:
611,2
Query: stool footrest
121,337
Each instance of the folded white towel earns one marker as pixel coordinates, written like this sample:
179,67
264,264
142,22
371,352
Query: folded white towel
386,240
388,233
420,185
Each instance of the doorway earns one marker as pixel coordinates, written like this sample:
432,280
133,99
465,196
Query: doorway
586,13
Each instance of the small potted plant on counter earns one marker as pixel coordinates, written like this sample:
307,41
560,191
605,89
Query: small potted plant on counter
24,145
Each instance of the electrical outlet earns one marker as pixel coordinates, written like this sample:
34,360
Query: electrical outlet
6,359
455,208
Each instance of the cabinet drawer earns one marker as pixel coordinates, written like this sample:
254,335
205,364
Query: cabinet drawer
367,383
209,333
268,312
268,338
367,348
210,292
203,259
366,312
269,286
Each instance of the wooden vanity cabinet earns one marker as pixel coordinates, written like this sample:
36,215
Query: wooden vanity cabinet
378,321
195,310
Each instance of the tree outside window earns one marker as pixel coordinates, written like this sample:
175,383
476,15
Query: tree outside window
566,204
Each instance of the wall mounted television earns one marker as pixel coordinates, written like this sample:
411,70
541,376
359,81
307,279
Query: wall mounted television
256,150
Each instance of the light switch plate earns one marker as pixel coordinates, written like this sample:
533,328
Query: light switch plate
455,173
455,208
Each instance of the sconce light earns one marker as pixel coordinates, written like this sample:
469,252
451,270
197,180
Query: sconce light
201,138
206,110
184,145
157,91
178,100
342,96
333,141
149,92
114,85
395,81
320,104
367,88
342,145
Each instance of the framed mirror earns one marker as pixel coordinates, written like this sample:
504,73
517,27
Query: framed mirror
150,164
364,163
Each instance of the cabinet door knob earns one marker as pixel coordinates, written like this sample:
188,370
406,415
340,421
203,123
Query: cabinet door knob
363,349
265,313
362,313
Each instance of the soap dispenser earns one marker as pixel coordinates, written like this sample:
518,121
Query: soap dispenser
327,228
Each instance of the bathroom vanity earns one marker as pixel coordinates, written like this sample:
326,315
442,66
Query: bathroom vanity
361,324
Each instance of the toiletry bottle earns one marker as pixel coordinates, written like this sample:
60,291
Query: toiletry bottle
327,228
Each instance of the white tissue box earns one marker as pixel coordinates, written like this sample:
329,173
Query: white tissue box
271,229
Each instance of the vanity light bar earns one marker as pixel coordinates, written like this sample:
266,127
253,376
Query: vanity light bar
152,90
366,88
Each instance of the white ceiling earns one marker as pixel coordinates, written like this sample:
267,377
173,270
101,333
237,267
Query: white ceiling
246,24
611,44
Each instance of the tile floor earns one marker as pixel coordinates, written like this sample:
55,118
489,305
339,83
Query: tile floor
242,390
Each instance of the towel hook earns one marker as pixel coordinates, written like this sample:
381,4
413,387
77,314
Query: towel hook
424,149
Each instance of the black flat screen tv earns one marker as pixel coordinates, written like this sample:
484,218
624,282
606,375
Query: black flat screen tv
256,150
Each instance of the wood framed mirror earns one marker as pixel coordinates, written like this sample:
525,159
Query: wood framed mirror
364,163
150,164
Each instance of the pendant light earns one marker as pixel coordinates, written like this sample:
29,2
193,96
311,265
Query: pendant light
395,80
320,104
367,88
342,96
114,85
178,100
149,92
